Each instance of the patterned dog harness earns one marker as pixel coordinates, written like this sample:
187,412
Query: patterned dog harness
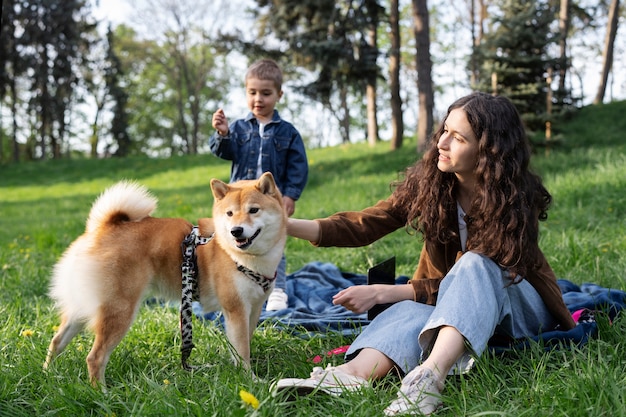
189,269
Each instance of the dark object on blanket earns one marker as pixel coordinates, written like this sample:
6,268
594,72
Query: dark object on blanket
382,273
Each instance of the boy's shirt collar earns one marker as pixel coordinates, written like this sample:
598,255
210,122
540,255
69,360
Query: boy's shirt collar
275,118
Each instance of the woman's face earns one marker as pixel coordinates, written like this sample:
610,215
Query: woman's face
458,147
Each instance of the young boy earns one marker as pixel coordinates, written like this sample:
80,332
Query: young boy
262,142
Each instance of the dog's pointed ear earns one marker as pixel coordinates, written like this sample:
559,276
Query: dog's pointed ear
219,188
266,184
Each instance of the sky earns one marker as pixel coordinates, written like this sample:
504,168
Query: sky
114,11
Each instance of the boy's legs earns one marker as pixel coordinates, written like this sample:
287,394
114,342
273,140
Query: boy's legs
278,299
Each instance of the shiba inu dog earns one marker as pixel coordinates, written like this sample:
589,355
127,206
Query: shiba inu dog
102,278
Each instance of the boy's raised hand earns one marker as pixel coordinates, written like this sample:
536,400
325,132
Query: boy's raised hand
220,122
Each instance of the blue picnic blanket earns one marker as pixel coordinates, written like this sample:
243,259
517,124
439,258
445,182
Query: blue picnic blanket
310,308
585,302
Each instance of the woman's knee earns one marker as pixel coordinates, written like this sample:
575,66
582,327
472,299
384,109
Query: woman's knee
476,260
474,257
473,270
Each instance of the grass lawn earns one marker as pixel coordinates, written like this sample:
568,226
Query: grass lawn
43,207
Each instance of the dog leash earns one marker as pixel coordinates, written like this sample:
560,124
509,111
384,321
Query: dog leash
189,269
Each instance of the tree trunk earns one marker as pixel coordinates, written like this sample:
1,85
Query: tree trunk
481,21
372,40
95,128
345,120
424,73
473,65
372,122
397,126
564,22
16,146
607,55
477,24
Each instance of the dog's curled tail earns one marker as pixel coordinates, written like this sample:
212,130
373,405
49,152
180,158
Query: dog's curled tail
127,200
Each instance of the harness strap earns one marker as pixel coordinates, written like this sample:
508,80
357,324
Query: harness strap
189,269
190,293
264,281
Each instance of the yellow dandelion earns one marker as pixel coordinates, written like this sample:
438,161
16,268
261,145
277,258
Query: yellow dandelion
27,333
249,399
55,328
166,382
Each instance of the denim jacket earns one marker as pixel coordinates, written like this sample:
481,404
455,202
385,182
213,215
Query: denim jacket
283,152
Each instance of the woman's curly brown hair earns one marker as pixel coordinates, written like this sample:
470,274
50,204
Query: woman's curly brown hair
509,200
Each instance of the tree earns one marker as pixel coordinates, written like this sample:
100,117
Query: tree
423,64
397,125
95,90
327,39
514,57
119,96
477,30
607,54
189,62
372,18
55,36
172,75
564,24
12,67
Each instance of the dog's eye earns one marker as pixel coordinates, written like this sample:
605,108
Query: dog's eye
254,210
229,213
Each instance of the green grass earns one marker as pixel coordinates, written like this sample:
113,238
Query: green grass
43,208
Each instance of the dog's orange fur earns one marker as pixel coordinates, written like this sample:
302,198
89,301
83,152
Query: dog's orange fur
103,276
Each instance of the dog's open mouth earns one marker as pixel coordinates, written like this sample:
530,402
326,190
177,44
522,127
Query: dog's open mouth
245,243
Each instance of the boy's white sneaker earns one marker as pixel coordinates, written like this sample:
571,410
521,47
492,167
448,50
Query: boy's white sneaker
278,300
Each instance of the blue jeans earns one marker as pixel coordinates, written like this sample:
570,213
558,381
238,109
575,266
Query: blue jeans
475,298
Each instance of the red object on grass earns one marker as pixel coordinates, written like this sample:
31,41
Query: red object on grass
336,351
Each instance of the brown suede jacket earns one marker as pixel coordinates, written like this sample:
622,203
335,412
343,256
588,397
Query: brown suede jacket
360,228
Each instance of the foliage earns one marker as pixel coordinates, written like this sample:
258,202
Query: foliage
43,208
329,39
171,84
43,54
515,57
175,69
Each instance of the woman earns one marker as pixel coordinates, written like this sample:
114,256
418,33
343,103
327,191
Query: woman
481,272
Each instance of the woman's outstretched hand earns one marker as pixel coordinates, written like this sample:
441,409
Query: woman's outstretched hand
361,298
357,299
